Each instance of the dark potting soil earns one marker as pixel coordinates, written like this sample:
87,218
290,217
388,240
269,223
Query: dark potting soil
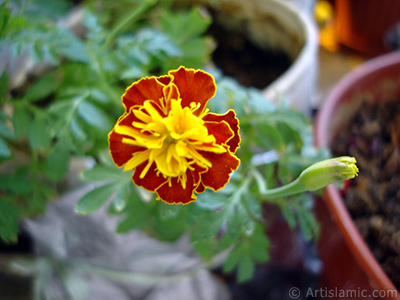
373,198
240,59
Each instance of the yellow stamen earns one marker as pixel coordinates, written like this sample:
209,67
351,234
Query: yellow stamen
172,141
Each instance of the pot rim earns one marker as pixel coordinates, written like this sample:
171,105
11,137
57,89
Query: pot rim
332,197
302,60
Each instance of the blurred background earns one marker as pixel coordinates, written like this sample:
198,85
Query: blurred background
323,40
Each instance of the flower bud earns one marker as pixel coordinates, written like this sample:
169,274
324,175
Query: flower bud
328,171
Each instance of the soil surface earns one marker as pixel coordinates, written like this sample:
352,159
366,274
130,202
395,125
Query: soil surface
250,65
373,198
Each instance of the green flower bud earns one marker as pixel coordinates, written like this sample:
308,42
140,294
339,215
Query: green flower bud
328,171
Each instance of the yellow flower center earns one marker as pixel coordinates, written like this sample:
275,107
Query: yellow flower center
172,142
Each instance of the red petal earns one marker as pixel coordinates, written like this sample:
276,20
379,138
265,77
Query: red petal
176,194
220,130
222,166
170,92
194,86
151,181
119,151
149,88
230,118
200,189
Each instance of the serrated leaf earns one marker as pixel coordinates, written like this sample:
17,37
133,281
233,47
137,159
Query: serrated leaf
44,87
4,150
259,239
260,254
94,199
57,162
206,248
94,115
245,268
184,24
232,260
38,136
207,226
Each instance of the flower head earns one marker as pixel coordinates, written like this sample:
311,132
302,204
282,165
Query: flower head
328,171
175,146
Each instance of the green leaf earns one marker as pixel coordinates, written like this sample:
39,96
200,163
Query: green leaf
44,87
5,131
39,198
121,200
73,48
94,199
269,137
77,130
307,221
232,260
288,214
245,219
51,54
104,172
38,135
57,162
36,52
99,96
44,9
17,49
211,200
22,120
245,268
9,216
17,183
207,226
167,211
4,150
137,213
3,84
94,116
184,25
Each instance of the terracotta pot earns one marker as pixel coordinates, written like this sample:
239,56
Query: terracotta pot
348,262
363,25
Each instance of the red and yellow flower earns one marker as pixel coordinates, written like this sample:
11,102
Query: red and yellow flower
174,144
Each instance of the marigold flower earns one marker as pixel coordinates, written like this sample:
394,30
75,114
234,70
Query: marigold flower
174,144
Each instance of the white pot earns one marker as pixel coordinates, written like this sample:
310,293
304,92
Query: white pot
281,26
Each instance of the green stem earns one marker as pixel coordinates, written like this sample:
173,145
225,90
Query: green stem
286,190
128,18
